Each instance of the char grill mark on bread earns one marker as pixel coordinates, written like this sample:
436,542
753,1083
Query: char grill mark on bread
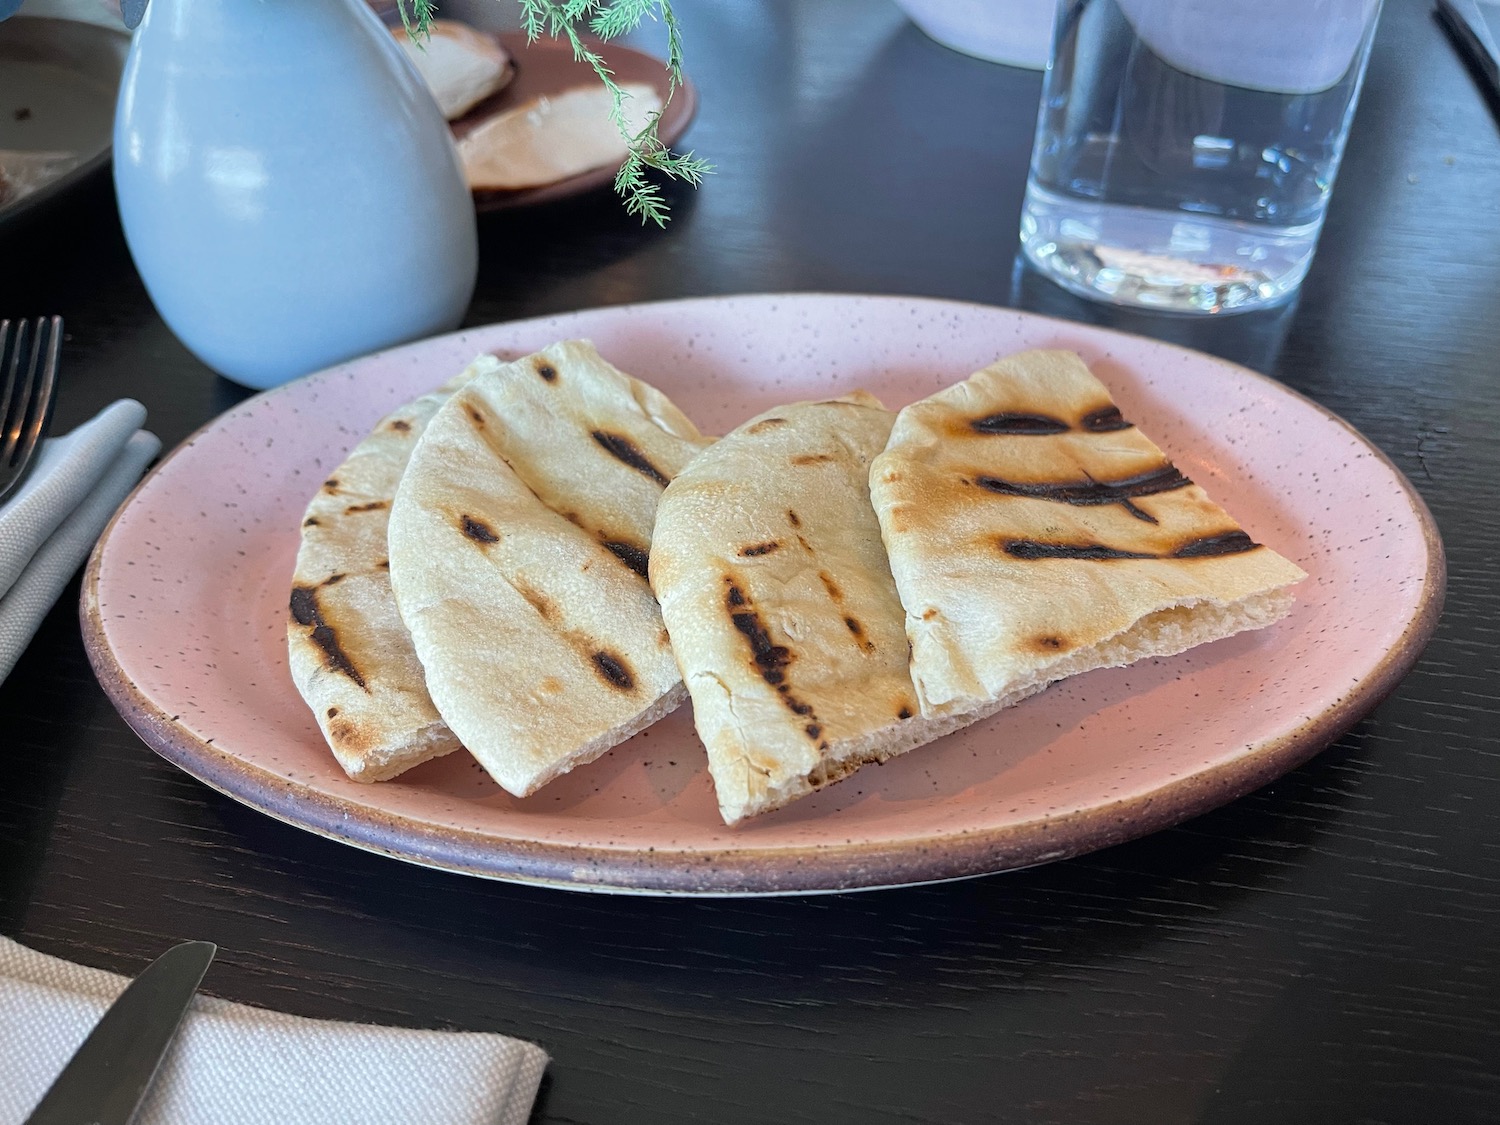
615,670
770,660
1202,547
306,612
478,530
623,449
1013,422
1102,420
1164,478
635,557
1105,420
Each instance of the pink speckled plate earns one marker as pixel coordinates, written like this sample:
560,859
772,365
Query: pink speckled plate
185,604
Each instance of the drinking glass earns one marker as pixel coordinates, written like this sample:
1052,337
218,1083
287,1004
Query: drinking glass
1186,149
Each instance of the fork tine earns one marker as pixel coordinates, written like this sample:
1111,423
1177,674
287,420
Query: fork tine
45,345
26,409
10,369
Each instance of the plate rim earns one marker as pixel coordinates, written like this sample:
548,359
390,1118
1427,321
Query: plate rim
86,169
789,869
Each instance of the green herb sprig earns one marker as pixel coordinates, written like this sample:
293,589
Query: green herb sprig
607,20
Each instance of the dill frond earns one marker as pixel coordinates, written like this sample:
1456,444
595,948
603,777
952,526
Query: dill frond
416,17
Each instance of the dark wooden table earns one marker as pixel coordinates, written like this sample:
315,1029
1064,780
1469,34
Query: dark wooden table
1322,951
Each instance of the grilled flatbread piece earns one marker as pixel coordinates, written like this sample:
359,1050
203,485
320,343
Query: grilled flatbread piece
551,138
460,65
350,654
519,542
1035,533
779,601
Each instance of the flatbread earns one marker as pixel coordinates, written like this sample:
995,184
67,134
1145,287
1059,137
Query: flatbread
1034,533
350,654
781,608
553,137
519,542
461,66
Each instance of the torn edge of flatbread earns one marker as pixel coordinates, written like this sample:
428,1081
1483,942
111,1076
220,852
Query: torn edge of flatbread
349,653
519,541
1034,533
779,601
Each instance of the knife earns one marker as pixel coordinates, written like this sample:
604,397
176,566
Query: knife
107,1077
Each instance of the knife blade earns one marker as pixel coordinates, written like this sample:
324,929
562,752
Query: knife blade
107,1077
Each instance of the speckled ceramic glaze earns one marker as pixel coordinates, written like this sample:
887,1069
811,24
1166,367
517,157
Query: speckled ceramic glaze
185,605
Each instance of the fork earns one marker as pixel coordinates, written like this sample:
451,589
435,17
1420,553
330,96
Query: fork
28,373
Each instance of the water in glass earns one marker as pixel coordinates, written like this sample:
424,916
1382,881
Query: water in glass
1183,162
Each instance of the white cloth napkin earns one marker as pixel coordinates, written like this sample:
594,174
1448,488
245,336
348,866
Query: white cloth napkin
49,526
236,1065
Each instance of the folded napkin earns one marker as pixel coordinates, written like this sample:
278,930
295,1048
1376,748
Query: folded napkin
236,1065
49,526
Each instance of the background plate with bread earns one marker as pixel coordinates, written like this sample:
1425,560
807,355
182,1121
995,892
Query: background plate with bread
531,122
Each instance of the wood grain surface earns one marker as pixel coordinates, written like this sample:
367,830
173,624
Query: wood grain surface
1324,950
